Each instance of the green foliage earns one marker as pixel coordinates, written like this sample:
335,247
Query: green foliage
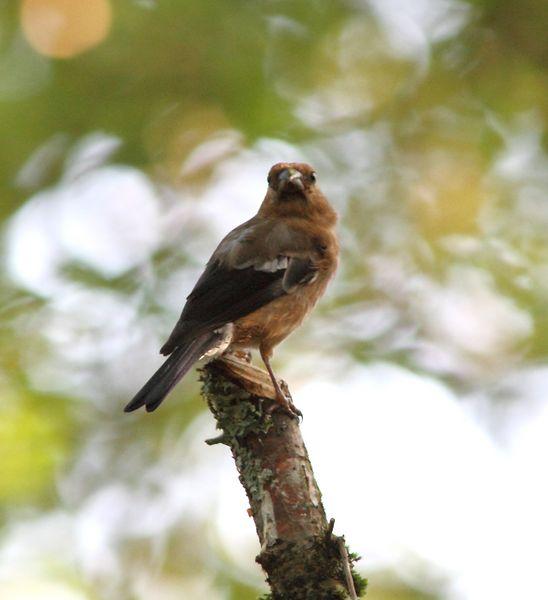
34,444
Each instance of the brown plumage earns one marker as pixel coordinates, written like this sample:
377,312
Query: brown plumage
260,283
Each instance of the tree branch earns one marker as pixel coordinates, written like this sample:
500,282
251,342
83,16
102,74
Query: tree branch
302,558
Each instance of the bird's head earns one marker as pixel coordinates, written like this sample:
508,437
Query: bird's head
291,179
292,192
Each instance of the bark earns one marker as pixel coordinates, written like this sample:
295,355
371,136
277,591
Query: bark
302,558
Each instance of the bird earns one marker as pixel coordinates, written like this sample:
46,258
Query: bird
262,280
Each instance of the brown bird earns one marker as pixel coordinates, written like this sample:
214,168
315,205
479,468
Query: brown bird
260,283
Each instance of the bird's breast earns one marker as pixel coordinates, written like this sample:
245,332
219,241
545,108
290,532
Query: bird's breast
272,323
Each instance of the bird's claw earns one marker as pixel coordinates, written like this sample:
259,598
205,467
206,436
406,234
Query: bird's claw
283,402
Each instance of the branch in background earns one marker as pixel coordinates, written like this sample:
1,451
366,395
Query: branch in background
302,558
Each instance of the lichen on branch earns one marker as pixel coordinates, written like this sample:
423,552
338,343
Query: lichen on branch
302,558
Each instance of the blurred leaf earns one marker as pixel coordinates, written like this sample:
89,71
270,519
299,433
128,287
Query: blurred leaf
34,443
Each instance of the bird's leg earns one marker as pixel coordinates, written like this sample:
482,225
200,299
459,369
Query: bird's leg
282,400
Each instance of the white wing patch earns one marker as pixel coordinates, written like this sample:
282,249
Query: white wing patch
270,266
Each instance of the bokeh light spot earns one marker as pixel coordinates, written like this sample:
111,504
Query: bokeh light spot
65,28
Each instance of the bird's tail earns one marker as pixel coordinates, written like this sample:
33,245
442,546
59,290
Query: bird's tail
171,372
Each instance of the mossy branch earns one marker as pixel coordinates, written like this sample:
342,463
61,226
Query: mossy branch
302,558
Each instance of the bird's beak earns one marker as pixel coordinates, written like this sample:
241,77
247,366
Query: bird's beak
290,179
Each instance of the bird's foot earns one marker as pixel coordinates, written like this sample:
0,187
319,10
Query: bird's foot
283,401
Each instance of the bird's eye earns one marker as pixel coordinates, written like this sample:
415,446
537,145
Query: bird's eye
313,177
269,180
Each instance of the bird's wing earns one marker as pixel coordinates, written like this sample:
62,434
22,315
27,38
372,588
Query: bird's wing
255,264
